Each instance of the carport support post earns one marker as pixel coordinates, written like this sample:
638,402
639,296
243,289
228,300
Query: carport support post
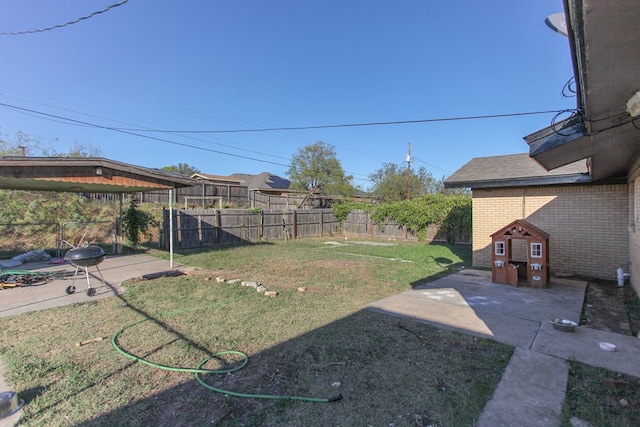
119,236
171,229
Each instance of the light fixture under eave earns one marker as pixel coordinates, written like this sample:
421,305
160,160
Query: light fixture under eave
633,105
557,22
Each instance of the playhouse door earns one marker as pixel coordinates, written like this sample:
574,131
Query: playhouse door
500,262
512,275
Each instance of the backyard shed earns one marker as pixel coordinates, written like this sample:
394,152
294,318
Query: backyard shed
530,262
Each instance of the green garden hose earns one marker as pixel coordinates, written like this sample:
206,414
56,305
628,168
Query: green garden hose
200,371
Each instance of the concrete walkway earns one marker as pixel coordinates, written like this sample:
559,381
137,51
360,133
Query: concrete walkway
532,390
115,270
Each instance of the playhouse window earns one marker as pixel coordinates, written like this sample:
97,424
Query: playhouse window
536,250
499,248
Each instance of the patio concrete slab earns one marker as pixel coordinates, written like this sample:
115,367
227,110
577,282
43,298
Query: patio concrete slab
115,270
469,302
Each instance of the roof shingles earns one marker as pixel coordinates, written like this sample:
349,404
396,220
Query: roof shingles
515,170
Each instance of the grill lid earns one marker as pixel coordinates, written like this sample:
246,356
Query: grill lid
85,256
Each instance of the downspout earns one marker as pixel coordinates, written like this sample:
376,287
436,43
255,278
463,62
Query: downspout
621,276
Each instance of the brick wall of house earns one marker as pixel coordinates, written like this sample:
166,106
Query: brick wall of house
588,225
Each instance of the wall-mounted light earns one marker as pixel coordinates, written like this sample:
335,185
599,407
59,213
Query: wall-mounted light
558,23
633,105
98,170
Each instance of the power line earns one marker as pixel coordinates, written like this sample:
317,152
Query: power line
136,134
345,125
75,21
134,131
433,166
67,122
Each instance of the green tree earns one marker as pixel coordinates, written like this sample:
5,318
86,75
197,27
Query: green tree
390,183
316,167
182,169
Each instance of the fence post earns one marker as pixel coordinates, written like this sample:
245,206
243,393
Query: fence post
321,222
260,225
115,234
284,227
58,240
218,225
370,225
119,237
295,224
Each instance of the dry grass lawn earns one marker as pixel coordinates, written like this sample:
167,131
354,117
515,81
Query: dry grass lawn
314,344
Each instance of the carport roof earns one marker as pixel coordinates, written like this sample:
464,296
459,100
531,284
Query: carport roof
84,174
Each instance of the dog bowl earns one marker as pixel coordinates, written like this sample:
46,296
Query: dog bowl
564,325
607,346
9,403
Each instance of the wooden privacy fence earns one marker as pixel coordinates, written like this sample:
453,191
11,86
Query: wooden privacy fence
196,228
202,194
272,202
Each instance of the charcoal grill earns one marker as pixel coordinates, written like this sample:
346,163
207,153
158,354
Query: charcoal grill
85,257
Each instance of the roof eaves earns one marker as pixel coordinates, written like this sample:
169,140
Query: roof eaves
95,161
521,182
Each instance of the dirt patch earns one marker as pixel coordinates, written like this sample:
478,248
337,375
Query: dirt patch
605,308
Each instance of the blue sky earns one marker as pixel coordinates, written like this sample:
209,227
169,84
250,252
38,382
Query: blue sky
237,65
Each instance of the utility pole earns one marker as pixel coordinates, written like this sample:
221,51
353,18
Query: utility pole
409,173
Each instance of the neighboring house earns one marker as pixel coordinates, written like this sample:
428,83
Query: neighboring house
582,218
240,190
265,183
604,132
217,179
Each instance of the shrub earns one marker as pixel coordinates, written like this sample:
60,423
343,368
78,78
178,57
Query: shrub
450,212
136,222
